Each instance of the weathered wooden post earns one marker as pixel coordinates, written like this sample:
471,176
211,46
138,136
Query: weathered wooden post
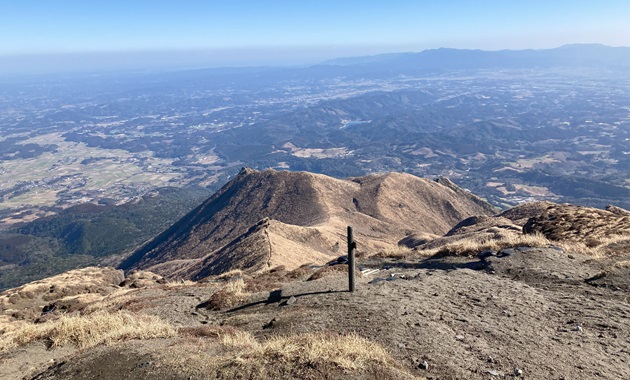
351,247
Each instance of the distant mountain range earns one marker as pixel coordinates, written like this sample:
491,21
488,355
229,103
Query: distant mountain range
575,55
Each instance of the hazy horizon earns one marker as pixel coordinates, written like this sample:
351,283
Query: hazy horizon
174,60
63,36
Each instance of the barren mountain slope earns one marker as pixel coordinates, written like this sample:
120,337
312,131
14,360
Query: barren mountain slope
267,245
576,223
229,213
383,208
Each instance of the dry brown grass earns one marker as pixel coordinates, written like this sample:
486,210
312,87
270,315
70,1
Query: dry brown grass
471,246
580,224
206,331
240,355
346,351
239,286
112,301
235,286
605,247
231,295
75,282
86,331
575,229
265,282
332,270
300,272
178,283
614,244
229,274
396,252
69,291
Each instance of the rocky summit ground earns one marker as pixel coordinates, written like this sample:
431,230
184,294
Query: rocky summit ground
536,313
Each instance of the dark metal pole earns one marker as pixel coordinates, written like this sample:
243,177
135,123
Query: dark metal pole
351,247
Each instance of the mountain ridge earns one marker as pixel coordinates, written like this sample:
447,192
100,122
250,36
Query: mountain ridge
275,206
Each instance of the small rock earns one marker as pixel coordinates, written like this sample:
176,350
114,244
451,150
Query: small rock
571,257
492,372
518,372
424,365
49,308
506,252
401,345
47,317
378,280
269,324
578,328
459,337
490,359
487,253
291,300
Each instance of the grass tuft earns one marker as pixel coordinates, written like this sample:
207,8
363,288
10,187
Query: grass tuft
240,355
330,270
397,252
87,331
231,295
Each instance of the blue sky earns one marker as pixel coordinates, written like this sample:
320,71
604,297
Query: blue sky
303,30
